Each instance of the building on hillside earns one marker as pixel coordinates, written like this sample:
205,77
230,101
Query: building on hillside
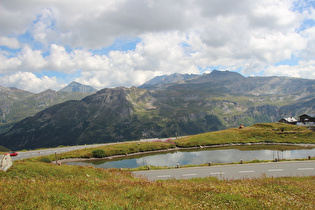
307,119
289,120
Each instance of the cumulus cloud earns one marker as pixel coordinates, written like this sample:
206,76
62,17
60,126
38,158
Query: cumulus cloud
188,36
10,42
299,71
29,81
43,28
16,16
100,23
27,59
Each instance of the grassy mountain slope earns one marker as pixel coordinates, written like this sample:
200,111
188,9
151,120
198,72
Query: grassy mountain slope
16,104
117,114
206,103
261,132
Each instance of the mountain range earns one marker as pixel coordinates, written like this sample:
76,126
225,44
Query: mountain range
16,104
162,81
165,106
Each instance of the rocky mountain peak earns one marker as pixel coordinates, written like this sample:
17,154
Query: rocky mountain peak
219,76
78,87
165,80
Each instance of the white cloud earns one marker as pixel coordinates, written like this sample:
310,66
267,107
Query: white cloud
100,23
16,16
275,47
10,42
301,71
164,52
175,36
31,59
8,64
274,15
308,52
43,28
60,60
29,81
26,60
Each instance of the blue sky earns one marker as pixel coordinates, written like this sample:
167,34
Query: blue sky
48,44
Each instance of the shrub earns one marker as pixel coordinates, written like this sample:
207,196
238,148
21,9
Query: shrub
98,153
45,160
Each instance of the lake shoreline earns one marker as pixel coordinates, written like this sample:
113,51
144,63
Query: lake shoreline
68,160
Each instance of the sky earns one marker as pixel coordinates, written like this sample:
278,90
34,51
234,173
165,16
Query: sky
47,44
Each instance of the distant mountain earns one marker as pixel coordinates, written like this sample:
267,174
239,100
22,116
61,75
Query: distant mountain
200,104
77,87
218,76
162,81
8,97
221,82
16,104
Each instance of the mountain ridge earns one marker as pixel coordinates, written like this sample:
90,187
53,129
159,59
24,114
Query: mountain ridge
16,104
236,83
180,108
164,80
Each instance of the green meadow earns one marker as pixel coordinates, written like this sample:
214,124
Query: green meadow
36,185
257,133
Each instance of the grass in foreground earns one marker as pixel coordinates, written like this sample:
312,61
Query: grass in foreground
34,185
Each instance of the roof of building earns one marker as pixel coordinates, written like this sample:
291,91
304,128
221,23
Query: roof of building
310,115
290,119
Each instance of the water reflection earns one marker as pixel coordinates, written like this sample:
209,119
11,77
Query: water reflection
199,157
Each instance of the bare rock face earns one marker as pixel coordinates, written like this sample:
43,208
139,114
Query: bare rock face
5,162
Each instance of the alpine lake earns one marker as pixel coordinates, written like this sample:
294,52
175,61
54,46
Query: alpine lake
205,156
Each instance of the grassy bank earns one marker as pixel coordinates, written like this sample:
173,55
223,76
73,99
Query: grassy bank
258,133
33,185
264,133
121,149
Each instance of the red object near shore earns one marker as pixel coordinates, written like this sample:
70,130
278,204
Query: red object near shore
12,153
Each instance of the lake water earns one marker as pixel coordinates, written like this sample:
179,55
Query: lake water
198,157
